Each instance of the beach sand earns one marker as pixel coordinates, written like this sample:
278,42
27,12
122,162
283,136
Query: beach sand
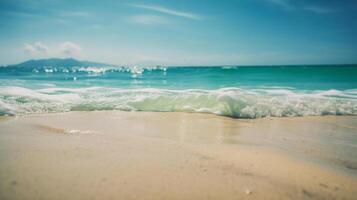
146,155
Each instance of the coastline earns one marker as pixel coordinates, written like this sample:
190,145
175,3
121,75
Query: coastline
152,155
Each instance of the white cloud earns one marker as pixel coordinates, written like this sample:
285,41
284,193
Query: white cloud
28,48
41,47
167,11
148,19
38,48
319,10
70,49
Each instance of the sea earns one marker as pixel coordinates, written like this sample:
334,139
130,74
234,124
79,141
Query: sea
232,91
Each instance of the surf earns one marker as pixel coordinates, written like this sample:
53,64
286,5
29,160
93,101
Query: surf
230,102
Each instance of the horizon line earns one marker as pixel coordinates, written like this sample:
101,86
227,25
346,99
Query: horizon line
188,65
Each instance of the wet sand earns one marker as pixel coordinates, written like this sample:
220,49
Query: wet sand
142,155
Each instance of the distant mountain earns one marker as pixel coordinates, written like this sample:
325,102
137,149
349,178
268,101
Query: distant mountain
58,62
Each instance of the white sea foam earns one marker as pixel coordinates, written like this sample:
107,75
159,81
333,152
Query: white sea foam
97,70
6,109
233,102
48,70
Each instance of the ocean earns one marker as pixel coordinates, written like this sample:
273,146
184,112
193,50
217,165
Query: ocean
233,91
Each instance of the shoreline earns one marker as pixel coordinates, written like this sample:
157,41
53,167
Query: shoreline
158,155
176,112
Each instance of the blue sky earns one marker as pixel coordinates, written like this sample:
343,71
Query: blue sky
182,32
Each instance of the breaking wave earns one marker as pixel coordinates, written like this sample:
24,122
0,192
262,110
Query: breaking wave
232,102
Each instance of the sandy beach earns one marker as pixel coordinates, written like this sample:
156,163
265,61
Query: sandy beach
178,100
148,155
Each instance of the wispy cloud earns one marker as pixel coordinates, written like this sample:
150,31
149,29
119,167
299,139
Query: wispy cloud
148,19
75,14
282,3
289,5
319,10
168,11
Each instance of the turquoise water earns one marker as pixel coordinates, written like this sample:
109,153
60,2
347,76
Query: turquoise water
243,92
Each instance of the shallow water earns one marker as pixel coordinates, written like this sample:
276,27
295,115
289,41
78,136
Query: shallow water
243,92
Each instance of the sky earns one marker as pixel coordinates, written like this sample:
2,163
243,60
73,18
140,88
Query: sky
181,32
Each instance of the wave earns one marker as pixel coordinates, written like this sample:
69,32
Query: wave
232,102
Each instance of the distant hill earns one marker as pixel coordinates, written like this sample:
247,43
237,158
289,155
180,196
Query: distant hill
57,62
